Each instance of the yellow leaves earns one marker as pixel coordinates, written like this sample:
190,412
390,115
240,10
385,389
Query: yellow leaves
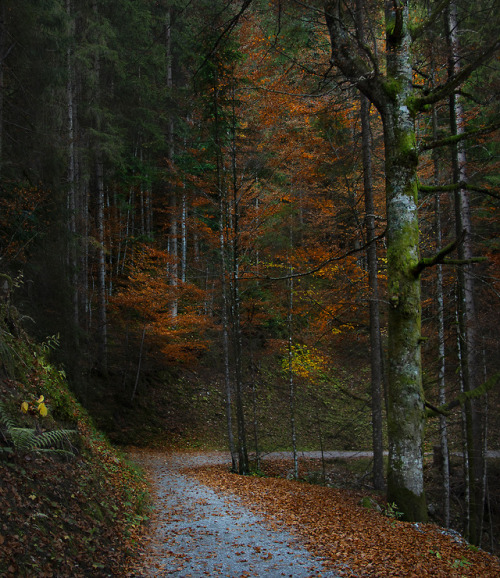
307,363
38,406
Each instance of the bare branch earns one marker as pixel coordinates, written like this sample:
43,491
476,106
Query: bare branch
438,257
463,397
322,265
451,140
446,89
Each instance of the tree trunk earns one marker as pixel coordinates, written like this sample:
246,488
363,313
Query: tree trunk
291,383
375,341
243,465
392,96
71,203
225,314
225,336
184,217
466,309
3,56
100,225
443,427
101,258
173,238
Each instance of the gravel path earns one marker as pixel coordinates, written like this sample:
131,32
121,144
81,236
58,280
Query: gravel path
199,533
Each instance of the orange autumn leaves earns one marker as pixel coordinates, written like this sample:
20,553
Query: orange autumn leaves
168,312
351,539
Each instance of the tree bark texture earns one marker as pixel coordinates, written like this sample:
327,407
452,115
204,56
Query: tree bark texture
466,304
392,95
375,341
405,395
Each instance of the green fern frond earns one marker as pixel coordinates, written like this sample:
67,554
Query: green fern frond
22,438
5,418
52,438
28,440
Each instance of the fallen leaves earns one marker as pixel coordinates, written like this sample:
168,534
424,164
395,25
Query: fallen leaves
354,541
60,519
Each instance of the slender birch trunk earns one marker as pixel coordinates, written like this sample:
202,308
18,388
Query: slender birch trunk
467,311
291,382
375,340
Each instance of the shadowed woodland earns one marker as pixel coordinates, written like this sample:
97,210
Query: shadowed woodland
256,226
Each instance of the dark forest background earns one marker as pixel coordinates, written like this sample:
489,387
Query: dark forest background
193,220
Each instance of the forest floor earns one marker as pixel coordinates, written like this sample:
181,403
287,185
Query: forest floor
207,521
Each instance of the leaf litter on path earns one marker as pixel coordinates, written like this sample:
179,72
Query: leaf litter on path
210,522
198,532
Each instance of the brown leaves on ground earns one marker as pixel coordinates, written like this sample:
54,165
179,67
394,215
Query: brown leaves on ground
354,540
61,518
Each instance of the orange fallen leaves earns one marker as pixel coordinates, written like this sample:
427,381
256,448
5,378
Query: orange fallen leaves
354,541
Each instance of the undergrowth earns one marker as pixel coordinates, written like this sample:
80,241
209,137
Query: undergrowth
70,504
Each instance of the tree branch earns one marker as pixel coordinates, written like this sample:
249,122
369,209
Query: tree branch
347,58
463,397
417,31
450,188
228,28
322,265
438,257
454,81
451,140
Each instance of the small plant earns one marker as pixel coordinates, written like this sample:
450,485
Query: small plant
391,511
371,504
462,563
30,439
38,406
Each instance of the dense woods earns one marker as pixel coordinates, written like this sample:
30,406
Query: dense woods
266,225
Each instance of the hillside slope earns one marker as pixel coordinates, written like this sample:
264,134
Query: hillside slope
69,503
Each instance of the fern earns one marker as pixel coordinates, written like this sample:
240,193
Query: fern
26,439
5,418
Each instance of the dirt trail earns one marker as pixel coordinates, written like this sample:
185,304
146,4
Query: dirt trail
198,533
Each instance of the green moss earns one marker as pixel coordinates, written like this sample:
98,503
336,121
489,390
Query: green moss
412,506
392,87
408,142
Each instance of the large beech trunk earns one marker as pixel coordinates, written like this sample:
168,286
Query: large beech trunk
406,416
392,96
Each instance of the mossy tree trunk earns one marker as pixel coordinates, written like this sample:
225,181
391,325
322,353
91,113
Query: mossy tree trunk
392,94
406,415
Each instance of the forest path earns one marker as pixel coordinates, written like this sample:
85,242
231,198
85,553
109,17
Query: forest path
197,532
